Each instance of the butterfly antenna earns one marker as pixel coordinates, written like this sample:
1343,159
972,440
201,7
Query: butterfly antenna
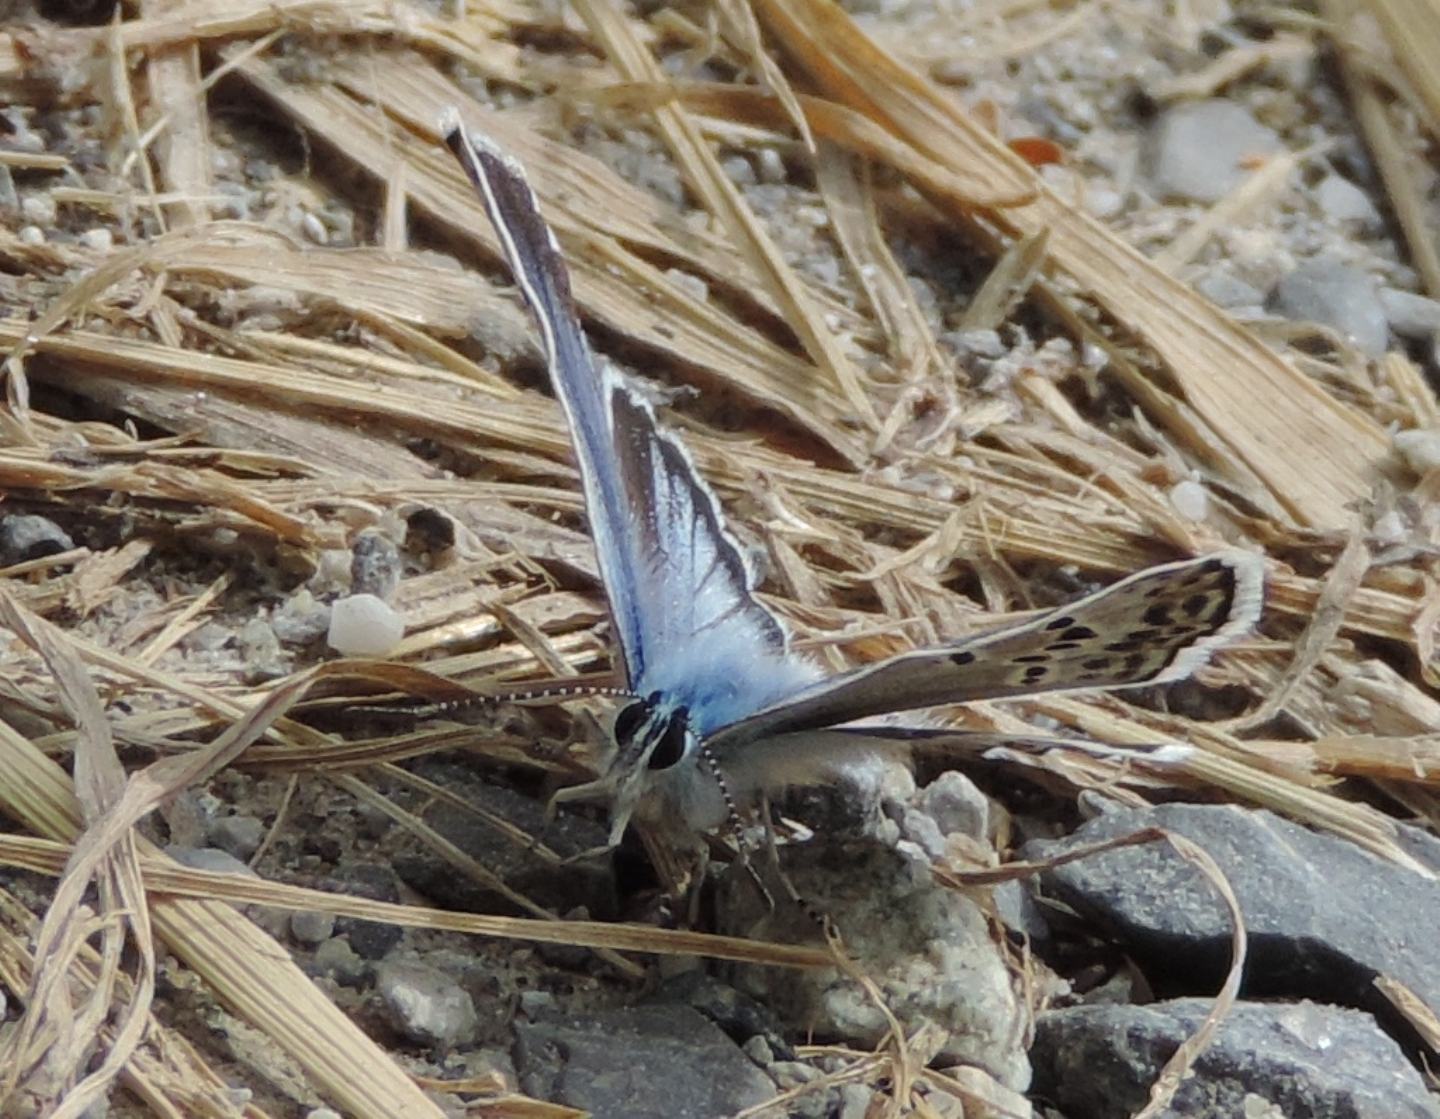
557,693
736,824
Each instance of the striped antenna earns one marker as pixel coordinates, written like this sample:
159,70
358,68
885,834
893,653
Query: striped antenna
552,693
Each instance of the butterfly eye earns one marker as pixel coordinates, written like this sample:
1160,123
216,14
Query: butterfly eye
671,746
632,716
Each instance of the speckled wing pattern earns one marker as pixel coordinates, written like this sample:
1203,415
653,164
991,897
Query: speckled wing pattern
1156,626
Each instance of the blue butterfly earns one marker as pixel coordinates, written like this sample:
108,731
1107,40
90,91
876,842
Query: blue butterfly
715,688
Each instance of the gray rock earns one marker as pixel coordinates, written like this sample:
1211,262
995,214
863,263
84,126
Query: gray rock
427,1005
208,858
586,883
956,805
1199,151
240,835
300,619
649,1062
336,958
378,882
1225,289
26,536
1336,295
310,926
928,948
375,565
1344,201
1300,1060
1325,917
1411,315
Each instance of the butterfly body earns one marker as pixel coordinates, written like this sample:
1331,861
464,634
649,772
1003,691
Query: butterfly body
715,686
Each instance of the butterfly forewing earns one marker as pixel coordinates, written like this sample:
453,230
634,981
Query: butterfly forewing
1156,626
678,584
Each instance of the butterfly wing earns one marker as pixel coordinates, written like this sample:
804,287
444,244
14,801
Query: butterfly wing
679,586
1156,626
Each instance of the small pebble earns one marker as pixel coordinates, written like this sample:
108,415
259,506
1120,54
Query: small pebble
1199,151
759,1051
26,536
336,958
309,926
426,1005
957,806
322,1113
792,1074
1227,290
100,239
364,626
1344,201
1420,448
32,235
300,619
39,209
1190,499
1339,296
239,835
769,166
1411,315
375,565
855,1101
208,858
738,170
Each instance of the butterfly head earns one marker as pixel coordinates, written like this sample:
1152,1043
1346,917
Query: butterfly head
652,735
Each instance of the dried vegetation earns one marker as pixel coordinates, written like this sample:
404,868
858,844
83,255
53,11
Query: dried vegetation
198,384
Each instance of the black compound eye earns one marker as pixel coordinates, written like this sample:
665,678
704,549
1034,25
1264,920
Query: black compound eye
632,716
671,746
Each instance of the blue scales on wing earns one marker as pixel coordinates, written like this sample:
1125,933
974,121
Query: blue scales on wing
679,586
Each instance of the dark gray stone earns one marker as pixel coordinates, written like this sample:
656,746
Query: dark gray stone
649,1062
1325,917
587,883
240,835
371,939
26,536
1300,1060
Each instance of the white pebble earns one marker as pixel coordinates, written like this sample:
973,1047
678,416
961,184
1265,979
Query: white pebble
314,228
1189,499
1410,315
364,626
1202,150
1419,448
770,166
100,239
1344,201
32,235
38,208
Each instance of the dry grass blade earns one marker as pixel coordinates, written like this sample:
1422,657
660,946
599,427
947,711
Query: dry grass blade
1266,412
246,968
703,172
164,877
103,855
1162,1092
